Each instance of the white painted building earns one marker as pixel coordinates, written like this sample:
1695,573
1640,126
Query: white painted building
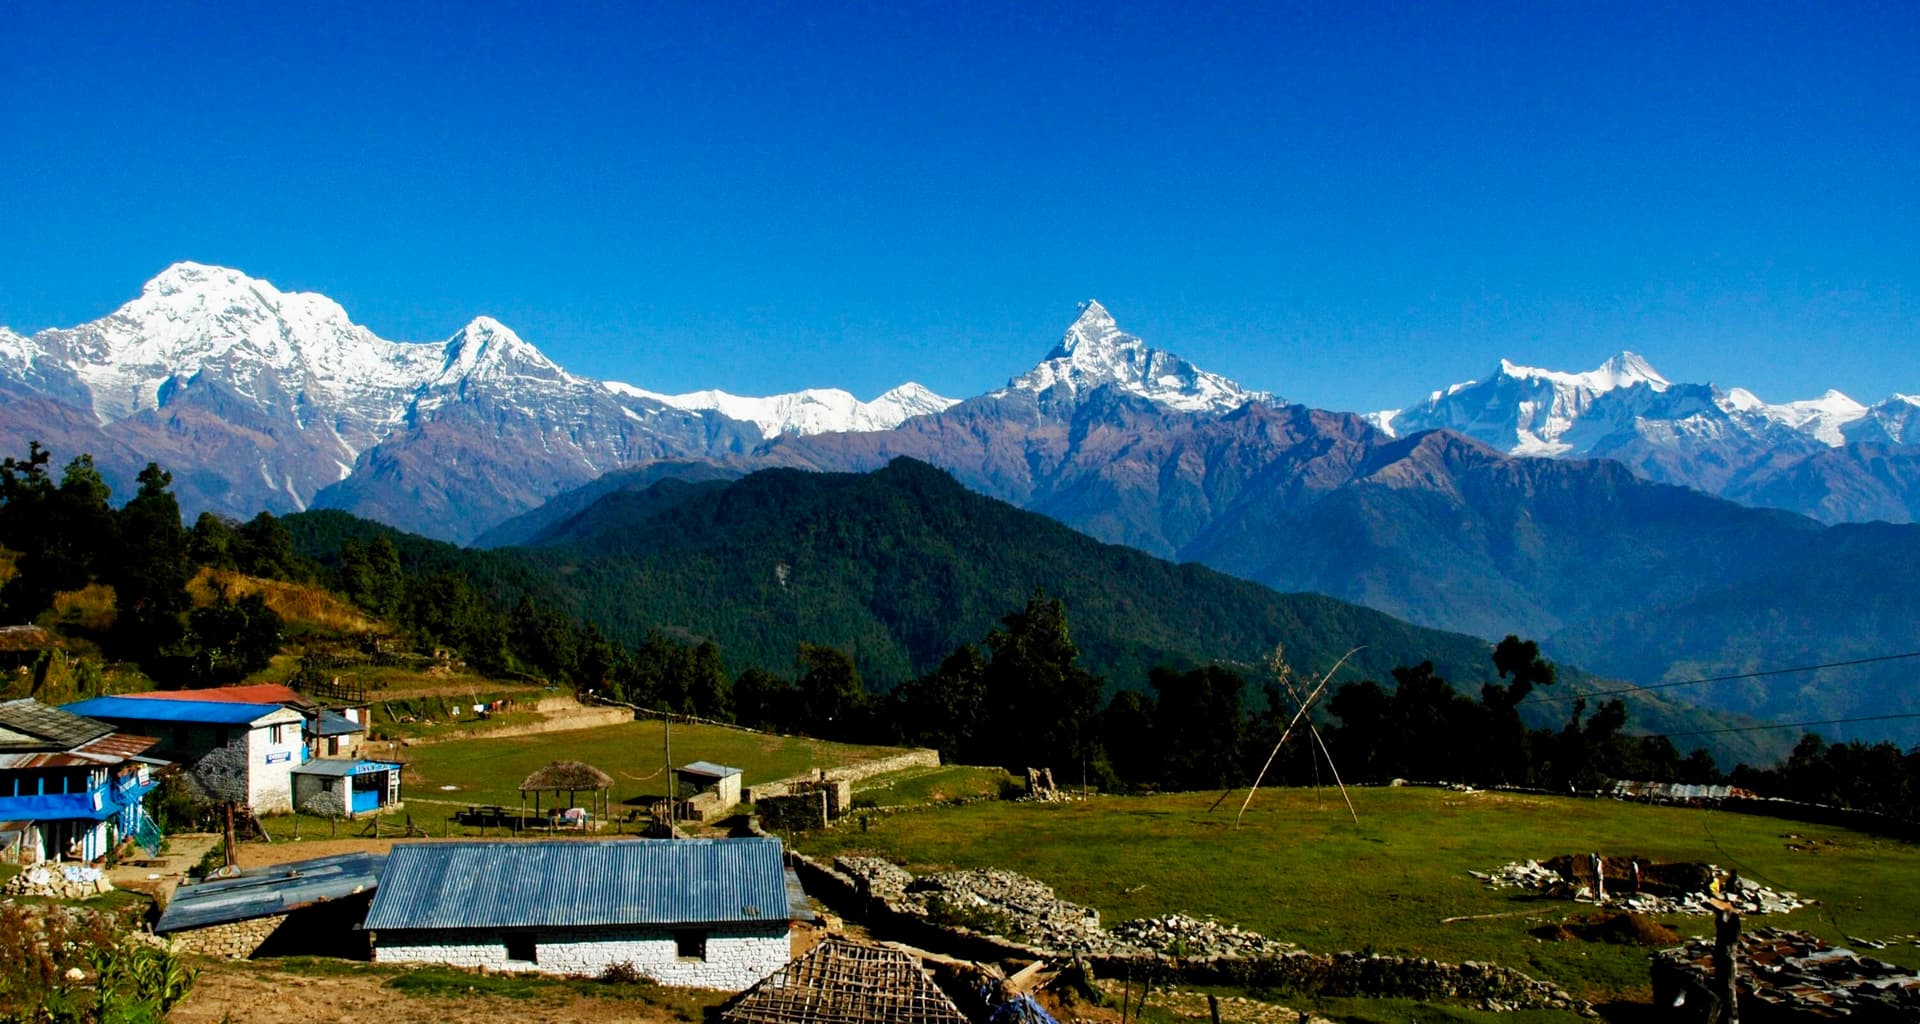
189,730
705,913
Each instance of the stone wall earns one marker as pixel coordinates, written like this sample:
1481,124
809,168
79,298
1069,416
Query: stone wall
916,758
235,940
1210,954
736,958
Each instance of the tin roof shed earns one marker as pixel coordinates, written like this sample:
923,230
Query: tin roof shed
566,883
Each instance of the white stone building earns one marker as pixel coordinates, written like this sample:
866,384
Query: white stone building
189,730
705,913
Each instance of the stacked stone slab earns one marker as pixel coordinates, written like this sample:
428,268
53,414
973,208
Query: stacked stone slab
58,882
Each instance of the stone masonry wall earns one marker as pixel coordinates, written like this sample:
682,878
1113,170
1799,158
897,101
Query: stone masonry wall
735,959
916,758
235,940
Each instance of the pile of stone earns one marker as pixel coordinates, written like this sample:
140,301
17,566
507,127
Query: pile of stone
58,881
1789,975
1746,895
1030,908
1179,935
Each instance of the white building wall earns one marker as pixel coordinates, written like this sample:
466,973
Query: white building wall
737,957
270,765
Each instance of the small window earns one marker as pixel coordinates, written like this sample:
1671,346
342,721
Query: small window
523,948
690,945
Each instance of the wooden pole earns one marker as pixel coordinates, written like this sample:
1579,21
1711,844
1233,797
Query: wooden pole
1324,680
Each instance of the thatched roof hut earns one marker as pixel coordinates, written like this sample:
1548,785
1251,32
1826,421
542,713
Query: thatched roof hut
571,778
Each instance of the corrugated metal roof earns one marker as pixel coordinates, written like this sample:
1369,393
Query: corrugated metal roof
252,693
559,883
340,766
31,725
333,723
708,768
201,712
262,892
111,749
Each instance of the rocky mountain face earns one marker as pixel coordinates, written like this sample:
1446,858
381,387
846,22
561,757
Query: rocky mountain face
1729,443
261,399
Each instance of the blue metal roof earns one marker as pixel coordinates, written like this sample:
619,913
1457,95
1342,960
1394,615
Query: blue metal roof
562,883
262,892
204,712
333,723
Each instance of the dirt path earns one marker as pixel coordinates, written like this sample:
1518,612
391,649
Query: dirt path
246,992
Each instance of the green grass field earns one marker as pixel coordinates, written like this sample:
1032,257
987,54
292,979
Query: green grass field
1300,870
932,785
489,770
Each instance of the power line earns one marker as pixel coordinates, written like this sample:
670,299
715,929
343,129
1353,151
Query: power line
1780,725
1557,698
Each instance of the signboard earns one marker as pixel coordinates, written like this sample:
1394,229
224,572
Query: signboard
280,758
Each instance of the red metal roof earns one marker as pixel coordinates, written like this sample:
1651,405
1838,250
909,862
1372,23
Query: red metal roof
256,693
108,750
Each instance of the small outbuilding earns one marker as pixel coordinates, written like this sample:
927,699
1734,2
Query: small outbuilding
363,787
705,913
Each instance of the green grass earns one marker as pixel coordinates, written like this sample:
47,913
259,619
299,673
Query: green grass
1300,870
489,770
932,785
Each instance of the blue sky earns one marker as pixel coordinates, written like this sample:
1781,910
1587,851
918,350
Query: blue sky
1343,204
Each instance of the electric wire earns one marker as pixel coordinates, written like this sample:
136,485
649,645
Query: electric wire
1648,687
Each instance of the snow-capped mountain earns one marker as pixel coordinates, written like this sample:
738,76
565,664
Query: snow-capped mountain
1894,421
1729,443
1522,409
813,411
258,398
1096,352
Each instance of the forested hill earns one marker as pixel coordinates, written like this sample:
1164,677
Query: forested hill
897,567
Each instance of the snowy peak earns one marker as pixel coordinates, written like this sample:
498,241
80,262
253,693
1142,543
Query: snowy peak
1095,352
1623,370
487,349
813,411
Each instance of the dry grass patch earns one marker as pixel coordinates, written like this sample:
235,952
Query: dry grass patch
297,604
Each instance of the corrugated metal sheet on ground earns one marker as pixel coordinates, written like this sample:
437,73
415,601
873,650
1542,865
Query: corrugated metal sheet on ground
560,883
263,892
194,711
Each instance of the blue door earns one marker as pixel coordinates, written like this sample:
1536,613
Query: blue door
365,800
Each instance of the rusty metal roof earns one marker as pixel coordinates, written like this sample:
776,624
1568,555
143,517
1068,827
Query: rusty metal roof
112,749
568,883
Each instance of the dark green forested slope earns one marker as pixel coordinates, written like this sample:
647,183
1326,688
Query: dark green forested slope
901,566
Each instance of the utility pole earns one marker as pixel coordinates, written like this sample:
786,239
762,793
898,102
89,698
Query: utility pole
672,784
